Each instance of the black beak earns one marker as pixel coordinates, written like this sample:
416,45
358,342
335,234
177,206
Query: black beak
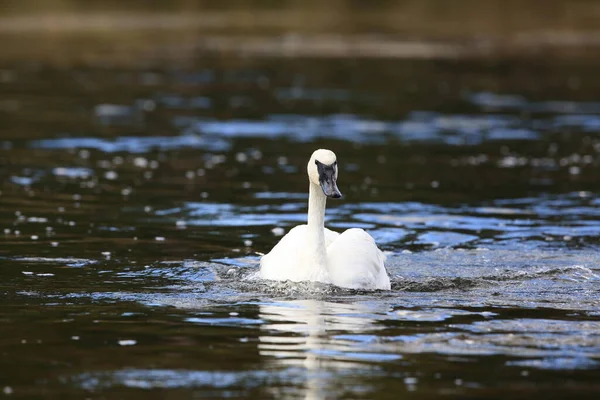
327,180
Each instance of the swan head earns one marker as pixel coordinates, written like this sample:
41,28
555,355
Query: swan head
323,171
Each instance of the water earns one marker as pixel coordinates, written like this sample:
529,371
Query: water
137,198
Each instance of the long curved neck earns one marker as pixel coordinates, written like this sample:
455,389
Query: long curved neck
316,224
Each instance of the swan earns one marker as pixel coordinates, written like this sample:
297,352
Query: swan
312,252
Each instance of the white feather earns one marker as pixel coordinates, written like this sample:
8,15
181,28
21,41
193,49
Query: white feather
314,253
289,260
354,261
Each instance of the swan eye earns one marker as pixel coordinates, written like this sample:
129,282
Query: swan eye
326,171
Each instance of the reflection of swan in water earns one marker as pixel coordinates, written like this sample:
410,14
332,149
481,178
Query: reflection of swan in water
312,252
298,333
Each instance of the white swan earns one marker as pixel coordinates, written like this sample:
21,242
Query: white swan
314,253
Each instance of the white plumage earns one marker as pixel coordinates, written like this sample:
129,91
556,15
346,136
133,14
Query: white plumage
312,252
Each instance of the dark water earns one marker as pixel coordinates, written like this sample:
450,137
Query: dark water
135,201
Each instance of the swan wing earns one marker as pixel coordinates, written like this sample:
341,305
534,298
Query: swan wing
330,236
354,261
284,261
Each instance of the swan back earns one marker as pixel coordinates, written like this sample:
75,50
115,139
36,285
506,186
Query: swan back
290,259
354,261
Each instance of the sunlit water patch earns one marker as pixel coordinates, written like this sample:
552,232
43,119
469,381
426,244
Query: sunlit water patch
496,101
419,126
134,144
416,225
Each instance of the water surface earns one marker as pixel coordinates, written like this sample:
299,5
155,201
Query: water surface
135,204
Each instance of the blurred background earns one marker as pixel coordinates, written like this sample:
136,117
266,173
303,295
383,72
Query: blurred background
147,145
434,82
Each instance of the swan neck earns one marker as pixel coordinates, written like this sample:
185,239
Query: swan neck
316,222
316,207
